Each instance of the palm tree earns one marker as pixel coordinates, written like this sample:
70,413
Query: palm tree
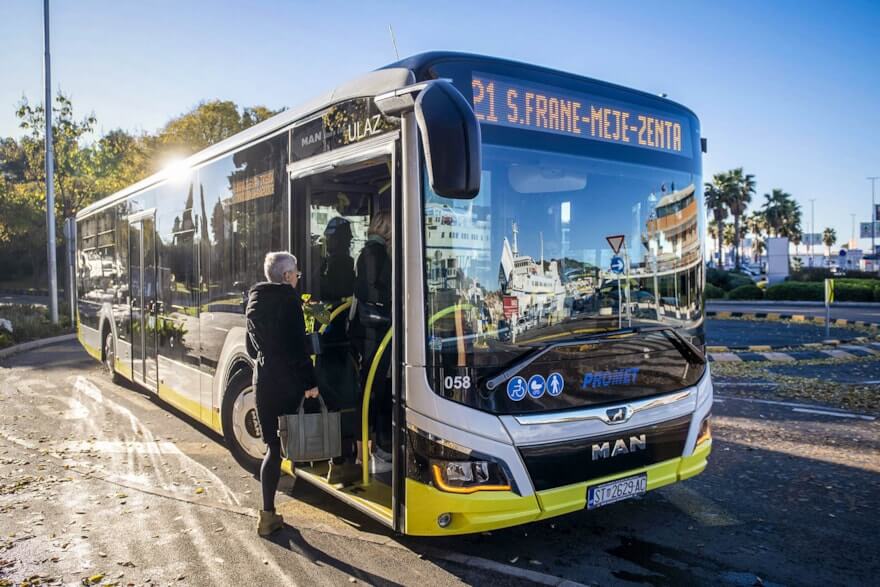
782,214
740,187
756,224
829,237
716,196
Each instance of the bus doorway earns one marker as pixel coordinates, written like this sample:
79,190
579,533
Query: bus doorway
142,251
341,225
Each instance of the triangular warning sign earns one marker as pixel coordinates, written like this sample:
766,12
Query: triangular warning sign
616,241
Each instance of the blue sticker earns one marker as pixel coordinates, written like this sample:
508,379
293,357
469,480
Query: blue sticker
516,388
536,386
555,384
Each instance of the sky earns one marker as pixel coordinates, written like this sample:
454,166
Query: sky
789,90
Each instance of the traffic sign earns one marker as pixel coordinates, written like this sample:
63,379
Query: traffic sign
617,264
615,242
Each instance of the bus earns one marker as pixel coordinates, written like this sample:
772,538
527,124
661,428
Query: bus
546,340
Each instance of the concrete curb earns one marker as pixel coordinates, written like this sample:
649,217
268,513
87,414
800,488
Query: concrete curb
34,344
722,314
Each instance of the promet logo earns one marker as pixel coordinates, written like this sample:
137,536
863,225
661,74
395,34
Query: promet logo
596,379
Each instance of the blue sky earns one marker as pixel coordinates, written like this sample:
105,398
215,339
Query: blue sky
790,90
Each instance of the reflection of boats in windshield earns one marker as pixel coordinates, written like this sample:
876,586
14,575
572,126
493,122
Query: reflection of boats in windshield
536,287
458,245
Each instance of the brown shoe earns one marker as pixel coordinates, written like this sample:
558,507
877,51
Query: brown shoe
269,522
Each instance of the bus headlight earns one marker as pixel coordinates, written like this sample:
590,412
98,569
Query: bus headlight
453,468
469,476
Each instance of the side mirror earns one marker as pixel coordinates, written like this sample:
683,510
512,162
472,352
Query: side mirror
450,135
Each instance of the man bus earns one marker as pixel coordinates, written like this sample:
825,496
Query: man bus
546,332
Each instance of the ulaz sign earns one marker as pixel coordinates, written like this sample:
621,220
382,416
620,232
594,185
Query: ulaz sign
343,124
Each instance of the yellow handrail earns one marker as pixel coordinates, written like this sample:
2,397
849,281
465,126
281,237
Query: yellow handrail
365,413
341,308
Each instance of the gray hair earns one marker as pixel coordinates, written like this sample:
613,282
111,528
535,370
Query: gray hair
277,264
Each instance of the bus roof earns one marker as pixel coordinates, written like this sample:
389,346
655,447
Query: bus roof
393,76
421,63
376,82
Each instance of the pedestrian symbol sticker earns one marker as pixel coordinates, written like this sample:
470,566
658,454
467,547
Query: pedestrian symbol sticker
536,386
555,384
516,388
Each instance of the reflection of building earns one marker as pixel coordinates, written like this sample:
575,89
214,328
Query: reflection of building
457,245
672,230
537,286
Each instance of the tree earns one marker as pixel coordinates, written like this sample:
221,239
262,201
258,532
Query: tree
208,123
756,224
739,186
716,196
829,237
782,213
87,170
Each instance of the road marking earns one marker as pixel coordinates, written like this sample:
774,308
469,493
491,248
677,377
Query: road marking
796,407
92,391
835,414
744,384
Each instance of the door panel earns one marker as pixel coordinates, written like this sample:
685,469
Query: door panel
148,236
137,302
142,249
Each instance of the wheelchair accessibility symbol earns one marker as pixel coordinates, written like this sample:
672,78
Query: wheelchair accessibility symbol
516,388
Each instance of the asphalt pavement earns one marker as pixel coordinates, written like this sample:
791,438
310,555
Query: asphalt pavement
103,480
777,333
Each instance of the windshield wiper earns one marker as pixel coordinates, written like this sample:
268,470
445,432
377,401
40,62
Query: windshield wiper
684,347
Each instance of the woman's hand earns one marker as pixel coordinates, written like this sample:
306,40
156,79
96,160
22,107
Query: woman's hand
311,393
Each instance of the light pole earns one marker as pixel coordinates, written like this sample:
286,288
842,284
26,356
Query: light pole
812,227
873,213
50,181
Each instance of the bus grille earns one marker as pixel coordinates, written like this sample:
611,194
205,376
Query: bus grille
572,461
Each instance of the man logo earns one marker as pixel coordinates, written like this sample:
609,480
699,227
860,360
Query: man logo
618,415
605,451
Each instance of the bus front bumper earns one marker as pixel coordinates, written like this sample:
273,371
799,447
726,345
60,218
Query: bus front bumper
490,510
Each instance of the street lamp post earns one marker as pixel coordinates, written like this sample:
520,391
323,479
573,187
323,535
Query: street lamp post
812,227
50,181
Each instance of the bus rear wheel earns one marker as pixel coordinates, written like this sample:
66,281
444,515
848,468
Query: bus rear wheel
241,428
110,357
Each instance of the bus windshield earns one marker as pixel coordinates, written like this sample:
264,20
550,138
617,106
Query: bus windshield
558,246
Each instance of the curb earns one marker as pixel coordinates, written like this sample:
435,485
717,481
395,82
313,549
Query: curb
35,344
722,314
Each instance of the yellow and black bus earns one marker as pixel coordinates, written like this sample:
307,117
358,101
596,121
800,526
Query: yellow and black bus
546,334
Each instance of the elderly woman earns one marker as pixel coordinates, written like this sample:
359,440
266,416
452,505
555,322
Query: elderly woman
283,373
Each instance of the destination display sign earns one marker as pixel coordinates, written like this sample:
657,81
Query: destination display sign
342,124
526,105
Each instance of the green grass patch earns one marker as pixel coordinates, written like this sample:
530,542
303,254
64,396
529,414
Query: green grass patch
31,323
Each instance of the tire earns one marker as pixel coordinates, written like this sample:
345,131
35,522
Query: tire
241,428
110,358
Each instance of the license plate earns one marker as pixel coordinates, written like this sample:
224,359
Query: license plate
614,491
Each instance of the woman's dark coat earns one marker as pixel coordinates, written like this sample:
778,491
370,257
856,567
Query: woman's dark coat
276,339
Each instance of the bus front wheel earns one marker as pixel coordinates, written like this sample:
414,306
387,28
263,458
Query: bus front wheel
241,428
